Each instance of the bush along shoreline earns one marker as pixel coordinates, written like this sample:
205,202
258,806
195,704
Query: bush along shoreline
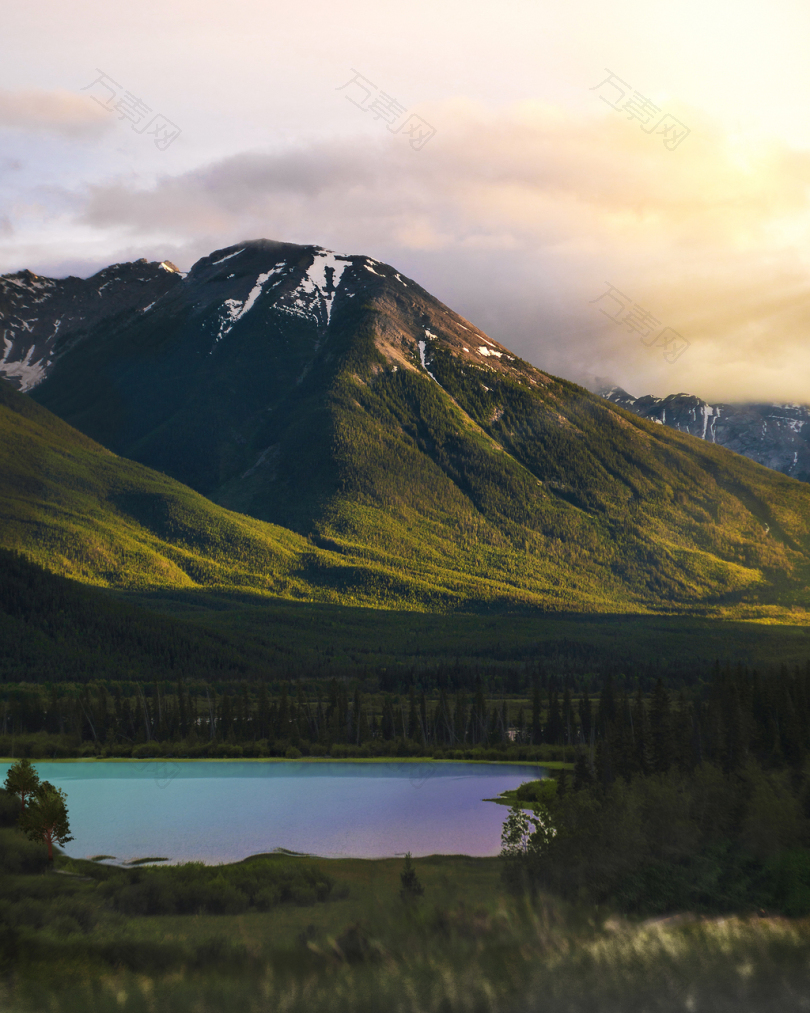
662,841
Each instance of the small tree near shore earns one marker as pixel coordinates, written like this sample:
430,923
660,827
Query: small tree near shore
45,818
411,887
22,779
524,839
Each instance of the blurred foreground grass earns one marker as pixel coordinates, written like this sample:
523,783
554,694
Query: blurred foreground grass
515,963
466,946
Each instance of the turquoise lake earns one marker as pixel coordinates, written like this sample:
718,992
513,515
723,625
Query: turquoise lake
215,811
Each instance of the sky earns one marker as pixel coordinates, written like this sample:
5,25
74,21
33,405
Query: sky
618,192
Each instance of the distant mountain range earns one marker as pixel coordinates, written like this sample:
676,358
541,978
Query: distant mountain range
304,424
38,313
776,435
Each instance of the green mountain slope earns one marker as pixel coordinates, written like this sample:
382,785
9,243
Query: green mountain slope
57,630
417,461
77,509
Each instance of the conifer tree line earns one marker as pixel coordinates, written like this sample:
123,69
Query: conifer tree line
618,731
54,630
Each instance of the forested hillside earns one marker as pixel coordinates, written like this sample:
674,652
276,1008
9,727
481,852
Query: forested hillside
333,397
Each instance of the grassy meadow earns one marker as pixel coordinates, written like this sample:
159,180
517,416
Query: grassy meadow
465,945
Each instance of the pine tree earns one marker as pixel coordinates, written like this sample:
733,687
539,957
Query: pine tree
582,772
413,717
411,887
225,716
263,712
554,727
460,719
182,710
604,763
567,717
479,714
585,716
661,729
363,731
503,723
399,718
641,736
282,729
387,724
537,709
606,712
22,779
442,723
45,818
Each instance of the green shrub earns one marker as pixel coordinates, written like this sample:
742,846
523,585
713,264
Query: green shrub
9,809
19,855
789,881
194,887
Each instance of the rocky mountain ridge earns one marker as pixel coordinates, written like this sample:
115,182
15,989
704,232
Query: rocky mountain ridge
38,314
42,318
776,435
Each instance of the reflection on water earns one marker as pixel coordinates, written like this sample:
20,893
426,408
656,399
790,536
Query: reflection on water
224,811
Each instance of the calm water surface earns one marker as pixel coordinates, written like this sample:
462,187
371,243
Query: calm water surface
216,811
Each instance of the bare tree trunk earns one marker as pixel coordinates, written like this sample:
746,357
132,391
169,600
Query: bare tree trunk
89,720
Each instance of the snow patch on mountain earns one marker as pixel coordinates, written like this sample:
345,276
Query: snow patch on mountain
422,346
233,310
228,257
325,261
29,373
314,295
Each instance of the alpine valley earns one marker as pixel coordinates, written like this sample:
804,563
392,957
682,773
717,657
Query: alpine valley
286,425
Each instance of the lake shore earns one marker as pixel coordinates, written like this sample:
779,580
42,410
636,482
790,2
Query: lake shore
550,764
218,811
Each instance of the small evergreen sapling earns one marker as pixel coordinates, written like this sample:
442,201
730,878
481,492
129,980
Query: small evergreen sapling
411,887
22,779
45,818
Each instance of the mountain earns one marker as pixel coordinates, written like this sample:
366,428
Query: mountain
421,463
36,312
75,508
776,435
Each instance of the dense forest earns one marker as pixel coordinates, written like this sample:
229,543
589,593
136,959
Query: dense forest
611,723
702,807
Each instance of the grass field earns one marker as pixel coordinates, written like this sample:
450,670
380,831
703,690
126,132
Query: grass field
466,946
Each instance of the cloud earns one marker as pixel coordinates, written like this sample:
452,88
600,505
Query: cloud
60,112
518,216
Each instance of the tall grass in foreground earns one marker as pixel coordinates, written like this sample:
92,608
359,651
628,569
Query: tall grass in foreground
522,961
